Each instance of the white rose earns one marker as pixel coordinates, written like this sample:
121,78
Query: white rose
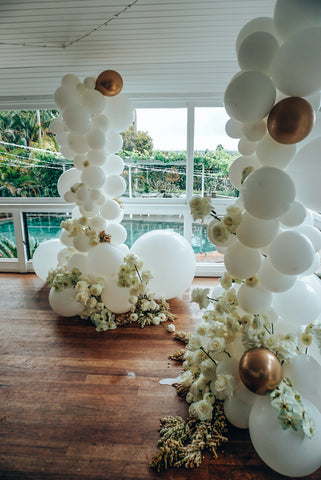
186,379
202,410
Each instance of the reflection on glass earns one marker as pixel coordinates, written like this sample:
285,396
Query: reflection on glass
8,247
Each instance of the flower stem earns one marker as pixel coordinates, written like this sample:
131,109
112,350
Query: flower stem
137,271
228,354
209,356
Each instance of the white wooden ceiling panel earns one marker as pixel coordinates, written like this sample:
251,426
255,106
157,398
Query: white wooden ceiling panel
166,48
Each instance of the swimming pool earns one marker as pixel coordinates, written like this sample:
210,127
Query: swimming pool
43,227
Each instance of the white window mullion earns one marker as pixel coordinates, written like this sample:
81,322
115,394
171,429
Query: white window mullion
20,240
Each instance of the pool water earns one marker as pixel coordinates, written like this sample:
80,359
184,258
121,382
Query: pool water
44,227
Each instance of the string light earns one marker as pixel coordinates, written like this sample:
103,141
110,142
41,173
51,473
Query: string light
76,40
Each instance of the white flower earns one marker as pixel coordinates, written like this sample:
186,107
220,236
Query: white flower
208,369
216,345
200,207
223,386
226,281
252,281
201,329
232,219
217,232
202,410
132,299
162,317
194,343
133,317
186,379
156,320
171,328
200,296
189,397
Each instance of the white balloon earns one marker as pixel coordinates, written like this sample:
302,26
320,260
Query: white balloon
65,96
228,366
305,373
245,147
80,261
70,197
67,152
268,193
64,303
274,154
313,234
93,176
296,69
115,185
294,216
63,255
105,260
259,24
110,209
120,112
291,252
57,125
97,223
96,138
171,260
287,452
271,279
77,118
114,297
79,161
292,15
75,213
123,248
118,233
45,257
233,128
237,167
314,267
237,412
70,80
93,101
101,121
301,304
256,233
90,82
96,157
81,242
82,193
241,261
245,395
254,299
66,239
77,142
254,131
249,97
114,165
114,142
257,51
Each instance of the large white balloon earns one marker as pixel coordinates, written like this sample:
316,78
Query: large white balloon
65,96
171,260
114,142
305,171
45,257
256,233
291,252
80,261
259,24
105,260
241,261
301,304
93,101
249,96
292,15
120,112
268,193
271,279
274,154
67,179
313,234
237,167
287,452
115,298
64,303
296,69
254,299
237,412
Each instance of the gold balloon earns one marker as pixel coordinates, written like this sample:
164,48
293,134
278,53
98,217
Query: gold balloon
260,370
290,120
109,83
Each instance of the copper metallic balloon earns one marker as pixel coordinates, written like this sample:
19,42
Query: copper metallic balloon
290,120
260,370
109,83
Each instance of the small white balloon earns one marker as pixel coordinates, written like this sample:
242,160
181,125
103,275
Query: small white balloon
256,233
105,260
294,216
117,232
254,131
81,242
101,121
114,165
96,157
274,154
120,112
268,193
114,142
115,298
97,223
77,142
64,302
110,209
233,128
79,161
271,279
93,101
257,52
254,300
90,82
77,118
291,252
65,96
115,185
241,261
245,147
259,24
249,97
80,261
93,176
66,239
96,138
70,80
67,179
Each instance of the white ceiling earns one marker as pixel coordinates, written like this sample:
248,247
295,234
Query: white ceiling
165,48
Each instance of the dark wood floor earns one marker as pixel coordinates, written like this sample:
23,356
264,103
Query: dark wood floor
71,407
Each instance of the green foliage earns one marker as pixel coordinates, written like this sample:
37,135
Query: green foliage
137,141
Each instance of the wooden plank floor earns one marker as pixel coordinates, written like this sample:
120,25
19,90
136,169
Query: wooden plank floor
80,405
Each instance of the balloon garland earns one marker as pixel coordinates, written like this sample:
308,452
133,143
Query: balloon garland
90,270
258,346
